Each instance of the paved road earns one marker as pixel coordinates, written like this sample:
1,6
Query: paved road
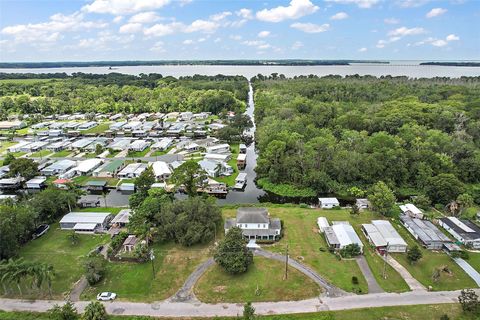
468,270
78,288
413,283
186,291
330,289
197,309
373,286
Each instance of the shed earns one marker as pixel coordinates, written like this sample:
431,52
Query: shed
328,203
36,183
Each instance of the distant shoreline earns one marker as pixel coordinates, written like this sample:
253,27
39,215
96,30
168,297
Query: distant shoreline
113,64
451,64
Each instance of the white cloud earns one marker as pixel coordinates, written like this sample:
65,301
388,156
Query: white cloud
220,16
160,30
131,28
258,44
117,19
217,40
188,41
296,9
118,7
404,31
391,21
381,44
185,2
202,26
51,30
452,37
263,34
365,4
297,45
245,13
435,12
339,16
439,43
362,49
164,29
144,17
310,27
158,47
236,37
411,3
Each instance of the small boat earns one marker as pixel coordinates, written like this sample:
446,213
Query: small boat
240,181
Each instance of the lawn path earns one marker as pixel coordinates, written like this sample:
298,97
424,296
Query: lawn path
413,283
185,294
78,288
331,290
373,286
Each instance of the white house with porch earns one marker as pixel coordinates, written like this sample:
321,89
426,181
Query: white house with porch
255,224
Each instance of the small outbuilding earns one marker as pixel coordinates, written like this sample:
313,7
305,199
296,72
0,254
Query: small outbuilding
328,203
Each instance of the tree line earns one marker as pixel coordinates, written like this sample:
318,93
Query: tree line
329,134
122,93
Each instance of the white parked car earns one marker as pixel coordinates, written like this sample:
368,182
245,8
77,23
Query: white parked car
106,296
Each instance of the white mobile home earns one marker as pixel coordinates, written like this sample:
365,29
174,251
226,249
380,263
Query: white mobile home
328,203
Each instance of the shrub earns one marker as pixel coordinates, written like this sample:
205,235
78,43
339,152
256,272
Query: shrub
95,269
354,280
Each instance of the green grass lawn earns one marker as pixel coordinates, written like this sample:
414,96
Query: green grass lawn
89,155
308,246
416,312
4,145
67,259
264,281
18,154
138,154
112,210
61,154
111,155
100,128
230,180
40,154
135,282
474,260
161,153
423,269
82,180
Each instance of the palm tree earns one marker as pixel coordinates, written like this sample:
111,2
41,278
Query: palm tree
218,169
49,275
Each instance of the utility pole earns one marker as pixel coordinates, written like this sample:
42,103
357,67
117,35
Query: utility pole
152,258
286,263
385,263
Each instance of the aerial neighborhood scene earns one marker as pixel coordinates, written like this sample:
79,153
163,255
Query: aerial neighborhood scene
282,160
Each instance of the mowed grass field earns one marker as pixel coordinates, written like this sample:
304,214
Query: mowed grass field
416,312
135,281
474,260
67,260
423,270
264,281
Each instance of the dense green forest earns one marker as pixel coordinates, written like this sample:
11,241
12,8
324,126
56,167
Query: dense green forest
330,134
59,93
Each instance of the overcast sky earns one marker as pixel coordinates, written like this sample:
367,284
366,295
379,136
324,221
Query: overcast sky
75,30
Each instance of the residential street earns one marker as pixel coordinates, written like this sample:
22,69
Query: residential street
198,309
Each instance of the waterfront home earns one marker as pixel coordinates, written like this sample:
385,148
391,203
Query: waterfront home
328,203
255,224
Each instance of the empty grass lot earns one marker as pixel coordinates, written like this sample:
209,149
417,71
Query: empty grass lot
423,270
100,128
217,286
138,154
82,180
135,282
308,246
61,154
41,154
4,145
67,259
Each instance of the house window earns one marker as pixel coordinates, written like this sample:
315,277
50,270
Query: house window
258,226
245,225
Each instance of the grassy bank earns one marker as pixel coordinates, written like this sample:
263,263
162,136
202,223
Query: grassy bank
285,190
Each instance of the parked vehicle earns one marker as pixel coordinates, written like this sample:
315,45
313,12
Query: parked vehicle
106,296
40,231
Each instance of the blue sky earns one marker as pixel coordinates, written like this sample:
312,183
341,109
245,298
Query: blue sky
71,30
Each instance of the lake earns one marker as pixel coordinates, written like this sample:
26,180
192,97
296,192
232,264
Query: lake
410,69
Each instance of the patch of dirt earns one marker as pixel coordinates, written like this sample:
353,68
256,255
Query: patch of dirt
220,289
